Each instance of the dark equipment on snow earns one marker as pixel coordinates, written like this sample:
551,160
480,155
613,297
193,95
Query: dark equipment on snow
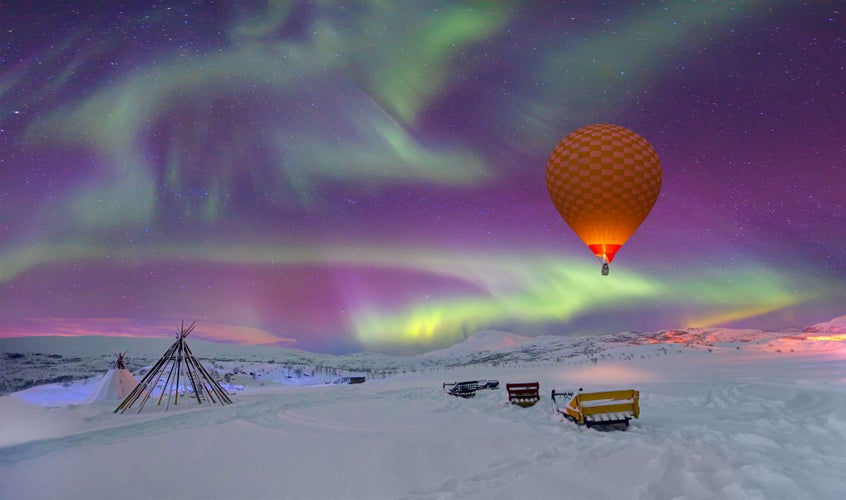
467,389
462,389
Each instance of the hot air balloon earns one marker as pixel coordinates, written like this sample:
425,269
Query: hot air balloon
604,180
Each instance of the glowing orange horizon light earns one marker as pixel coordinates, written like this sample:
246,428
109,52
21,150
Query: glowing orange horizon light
837,337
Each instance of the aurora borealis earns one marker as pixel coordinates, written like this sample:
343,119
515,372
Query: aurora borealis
369,175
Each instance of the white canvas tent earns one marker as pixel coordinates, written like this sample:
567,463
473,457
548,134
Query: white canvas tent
116,384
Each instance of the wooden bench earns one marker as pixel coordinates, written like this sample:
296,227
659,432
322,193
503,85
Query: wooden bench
523,394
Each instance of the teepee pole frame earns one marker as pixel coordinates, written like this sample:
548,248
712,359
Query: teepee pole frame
200,379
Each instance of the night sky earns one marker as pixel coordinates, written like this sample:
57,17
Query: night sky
370,176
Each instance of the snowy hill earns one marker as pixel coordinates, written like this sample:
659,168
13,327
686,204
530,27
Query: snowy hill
486,340
835,326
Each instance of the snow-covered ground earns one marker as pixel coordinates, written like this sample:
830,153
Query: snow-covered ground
724,414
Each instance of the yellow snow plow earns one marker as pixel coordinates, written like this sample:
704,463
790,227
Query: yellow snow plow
598,408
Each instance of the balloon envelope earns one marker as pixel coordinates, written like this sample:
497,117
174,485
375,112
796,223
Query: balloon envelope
604,180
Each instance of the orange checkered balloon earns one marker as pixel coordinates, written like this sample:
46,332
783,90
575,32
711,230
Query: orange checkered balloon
604,180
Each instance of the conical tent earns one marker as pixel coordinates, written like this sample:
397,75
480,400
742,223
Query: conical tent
177,373
117,383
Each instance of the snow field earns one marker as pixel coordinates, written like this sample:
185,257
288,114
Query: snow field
722,424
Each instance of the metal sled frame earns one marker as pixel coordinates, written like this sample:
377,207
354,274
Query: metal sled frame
467,389
462,389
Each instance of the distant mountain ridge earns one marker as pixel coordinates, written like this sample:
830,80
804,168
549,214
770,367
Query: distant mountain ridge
26,362
485,340
836,325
